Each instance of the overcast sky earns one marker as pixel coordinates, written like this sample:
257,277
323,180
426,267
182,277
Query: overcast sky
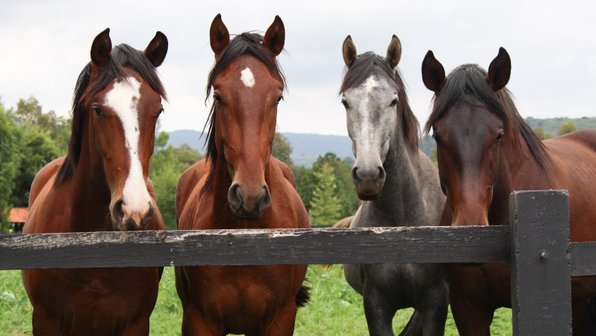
45,44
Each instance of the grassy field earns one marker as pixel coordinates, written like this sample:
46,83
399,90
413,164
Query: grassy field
335,309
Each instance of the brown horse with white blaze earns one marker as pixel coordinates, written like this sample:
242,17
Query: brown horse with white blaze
238,186
101,185
485,151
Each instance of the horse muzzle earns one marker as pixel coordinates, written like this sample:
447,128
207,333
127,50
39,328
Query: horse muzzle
368,182
247,205
124,218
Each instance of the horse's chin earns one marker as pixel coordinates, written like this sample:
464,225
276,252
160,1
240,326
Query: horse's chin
243,214
368,197
368,191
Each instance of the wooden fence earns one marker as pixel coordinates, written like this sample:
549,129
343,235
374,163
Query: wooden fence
536,244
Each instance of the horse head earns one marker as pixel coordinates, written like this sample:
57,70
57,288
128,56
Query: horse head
247,87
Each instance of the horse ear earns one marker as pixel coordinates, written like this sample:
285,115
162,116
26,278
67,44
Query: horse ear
393,52
101,48
157,49
499,70
275,36
433,73
219,37
349,51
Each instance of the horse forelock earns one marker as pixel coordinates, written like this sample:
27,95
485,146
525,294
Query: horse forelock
90,83
468,82
370,64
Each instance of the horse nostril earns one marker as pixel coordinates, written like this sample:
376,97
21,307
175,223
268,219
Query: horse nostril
118,212
381,173
265,201
355,176
235,196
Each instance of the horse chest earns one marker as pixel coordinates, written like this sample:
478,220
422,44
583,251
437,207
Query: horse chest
487,284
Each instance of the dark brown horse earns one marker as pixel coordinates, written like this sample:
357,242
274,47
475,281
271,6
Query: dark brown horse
101,185
486,151
239,186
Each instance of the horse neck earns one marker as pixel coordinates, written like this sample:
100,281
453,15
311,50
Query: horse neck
400,197
515,160
90,193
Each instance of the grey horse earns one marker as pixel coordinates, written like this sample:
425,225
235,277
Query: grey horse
399,186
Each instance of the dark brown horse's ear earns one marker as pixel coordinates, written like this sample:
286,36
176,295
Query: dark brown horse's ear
349,51
157,49
101,49
433,73
499,70
275,36
393,52
219,37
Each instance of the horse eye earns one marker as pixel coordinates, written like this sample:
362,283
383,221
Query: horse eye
393,103
345,104
97,110
217,98
280,98
499,137
437,140
160,112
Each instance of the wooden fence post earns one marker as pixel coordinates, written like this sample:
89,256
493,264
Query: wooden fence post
540,269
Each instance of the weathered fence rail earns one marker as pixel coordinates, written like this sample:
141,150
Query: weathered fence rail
536,244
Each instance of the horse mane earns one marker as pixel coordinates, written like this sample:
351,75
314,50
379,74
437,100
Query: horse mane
242,44
370,63
468,83
122,56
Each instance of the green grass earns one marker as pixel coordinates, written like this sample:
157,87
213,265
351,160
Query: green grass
334,309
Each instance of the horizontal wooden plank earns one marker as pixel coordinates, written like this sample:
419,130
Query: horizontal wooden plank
583,258
254,247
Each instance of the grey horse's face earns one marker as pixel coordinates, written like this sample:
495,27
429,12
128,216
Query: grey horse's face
371,116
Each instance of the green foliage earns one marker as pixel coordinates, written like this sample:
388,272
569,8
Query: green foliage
567,127
345,189
324,205
542,134
41,137
28,114
282,149
552,125
10,162
36,149
166,166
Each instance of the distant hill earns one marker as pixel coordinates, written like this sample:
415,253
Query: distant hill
306,148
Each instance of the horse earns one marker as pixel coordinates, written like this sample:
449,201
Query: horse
398,186
239,185
485,151
101,185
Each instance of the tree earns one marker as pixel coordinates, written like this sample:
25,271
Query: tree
36,149
325,207
167,164
10,162
567,127
342,172
282,149
542,134
29,114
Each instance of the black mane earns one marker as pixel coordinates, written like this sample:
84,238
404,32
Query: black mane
243,44
122,56
468,82
370,63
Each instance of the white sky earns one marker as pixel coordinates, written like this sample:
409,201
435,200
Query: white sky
44,45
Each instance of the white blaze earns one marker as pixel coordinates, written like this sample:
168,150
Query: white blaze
247,78
123,99
368,131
